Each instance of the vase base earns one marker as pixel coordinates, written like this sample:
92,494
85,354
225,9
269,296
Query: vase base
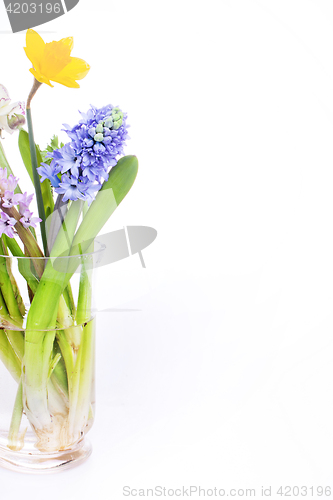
45,463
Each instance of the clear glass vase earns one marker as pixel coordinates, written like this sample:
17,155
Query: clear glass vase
47,346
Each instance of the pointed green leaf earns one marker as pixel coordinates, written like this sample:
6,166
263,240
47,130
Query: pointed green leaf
26,157
4,164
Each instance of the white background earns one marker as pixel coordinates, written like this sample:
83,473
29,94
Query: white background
224,377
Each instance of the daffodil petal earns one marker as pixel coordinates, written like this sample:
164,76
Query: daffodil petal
40,78
68,41
76,69
67,81
35,48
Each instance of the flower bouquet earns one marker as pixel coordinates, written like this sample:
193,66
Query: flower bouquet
47,325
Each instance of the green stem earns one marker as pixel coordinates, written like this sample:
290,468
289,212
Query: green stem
3,311
28,240
38,189
5,320
23,262
84,300
81,387
15,287
14,337
15,441
8,293
72,332
37,358
67,353
16,340
54,363
69,299
24,147
8,357
83,313
59,375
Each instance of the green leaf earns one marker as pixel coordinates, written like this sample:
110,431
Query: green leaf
16,290
9,293
26,157
54,144
15,440
23,264
114,190
54,363
4,164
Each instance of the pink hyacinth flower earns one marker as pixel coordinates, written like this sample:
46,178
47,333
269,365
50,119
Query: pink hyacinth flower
6,225
27,220
10,199
25,202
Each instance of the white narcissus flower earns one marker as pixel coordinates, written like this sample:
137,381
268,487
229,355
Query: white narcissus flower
11,113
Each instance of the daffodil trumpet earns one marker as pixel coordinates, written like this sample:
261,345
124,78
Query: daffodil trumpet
47,330
53,61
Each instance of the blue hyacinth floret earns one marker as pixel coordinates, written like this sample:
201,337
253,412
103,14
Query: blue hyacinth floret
80,167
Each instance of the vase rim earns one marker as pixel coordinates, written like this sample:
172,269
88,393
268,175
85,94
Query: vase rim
55,328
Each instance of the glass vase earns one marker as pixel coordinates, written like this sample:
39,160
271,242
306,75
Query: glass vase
47,346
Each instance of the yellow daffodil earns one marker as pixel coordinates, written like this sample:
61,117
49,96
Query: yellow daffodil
53,61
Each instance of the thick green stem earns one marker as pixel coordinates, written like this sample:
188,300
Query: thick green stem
37,358
81,386
59,375
80,382
83,313
67,353
72,332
